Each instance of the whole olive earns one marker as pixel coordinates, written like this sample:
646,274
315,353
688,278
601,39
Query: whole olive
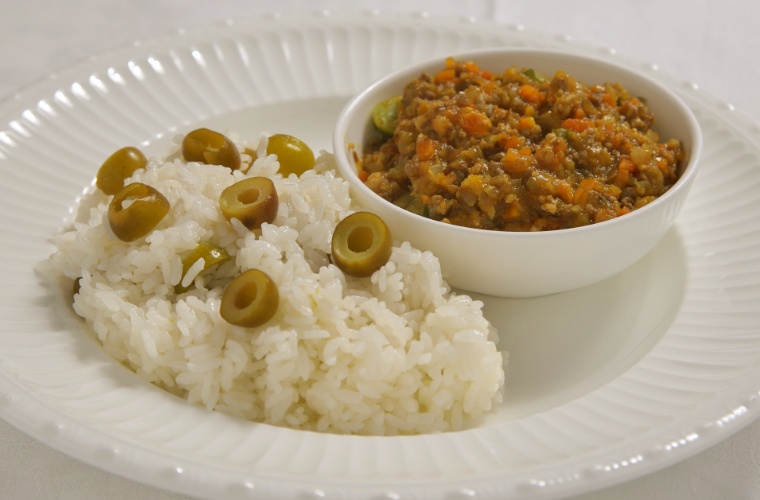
253,201
294,156
146,208
117,167
210,147
250,300
211,254
361,244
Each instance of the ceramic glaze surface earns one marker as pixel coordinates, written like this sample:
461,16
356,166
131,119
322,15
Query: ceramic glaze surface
663,362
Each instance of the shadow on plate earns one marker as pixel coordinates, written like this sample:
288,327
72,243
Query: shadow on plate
564,346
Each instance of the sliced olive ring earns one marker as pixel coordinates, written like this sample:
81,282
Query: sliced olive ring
253,201
118,167
147,208
211,254
210,147
294,155
250,300
361,244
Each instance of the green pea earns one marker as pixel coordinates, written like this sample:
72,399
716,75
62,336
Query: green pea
147,208
385,114
118,167
250,300
361,244
294,155
210,147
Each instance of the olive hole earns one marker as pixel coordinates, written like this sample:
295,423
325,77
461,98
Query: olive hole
360,239
126,202
249,196
246,295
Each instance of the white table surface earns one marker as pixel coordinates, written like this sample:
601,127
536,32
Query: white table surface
714,44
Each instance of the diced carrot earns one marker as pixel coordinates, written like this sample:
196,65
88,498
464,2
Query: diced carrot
531,94
486,74
510,156
565,191
513,141
623,211
613,190
662,164
616,141
474,122
363,175
625,168
580,197
526,151
511,212
525,122
627,164
472,67
577,124
513,164
622,177
425,149
603,215
445,75
579,113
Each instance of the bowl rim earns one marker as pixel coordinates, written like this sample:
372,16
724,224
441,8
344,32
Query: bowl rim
688,172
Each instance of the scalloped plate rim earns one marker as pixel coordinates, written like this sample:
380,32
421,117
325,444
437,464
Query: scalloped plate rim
65,434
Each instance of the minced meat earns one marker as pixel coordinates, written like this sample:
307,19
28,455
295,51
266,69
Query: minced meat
520,152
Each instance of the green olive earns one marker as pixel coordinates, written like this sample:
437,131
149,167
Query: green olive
210,253
253,201
294,155
206,146
250,300
139,217
117,167
361,244
385,114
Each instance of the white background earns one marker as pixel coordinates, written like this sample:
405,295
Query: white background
713,44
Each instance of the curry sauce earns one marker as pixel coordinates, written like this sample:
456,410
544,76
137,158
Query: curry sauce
519,151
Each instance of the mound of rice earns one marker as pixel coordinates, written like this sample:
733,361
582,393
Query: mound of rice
397,353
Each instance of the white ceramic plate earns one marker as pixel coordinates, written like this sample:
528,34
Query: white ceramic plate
605,384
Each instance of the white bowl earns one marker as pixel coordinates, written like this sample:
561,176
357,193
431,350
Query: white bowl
516,264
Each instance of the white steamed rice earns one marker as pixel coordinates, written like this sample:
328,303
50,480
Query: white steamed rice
397,353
